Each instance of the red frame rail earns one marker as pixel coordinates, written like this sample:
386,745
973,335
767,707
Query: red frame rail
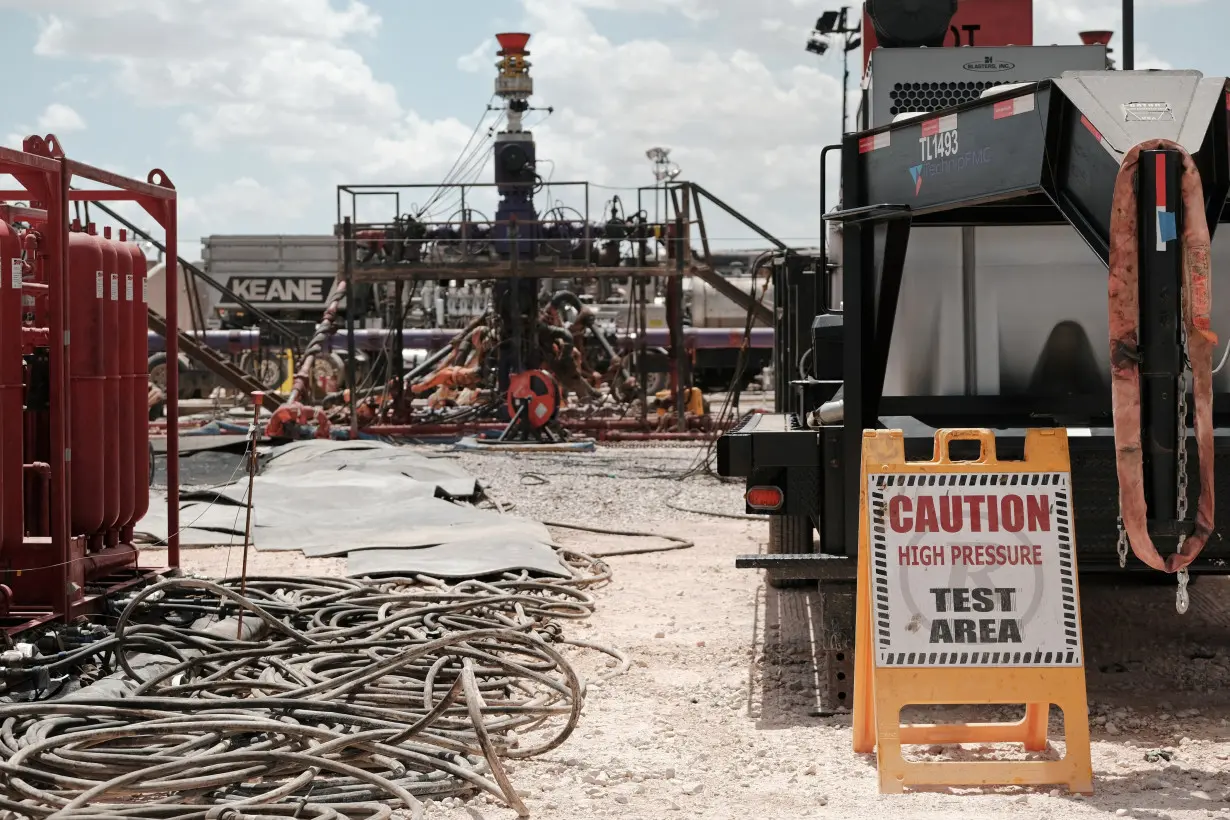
46,176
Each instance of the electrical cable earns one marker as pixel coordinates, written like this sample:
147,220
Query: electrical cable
443,185
704,461
712,513
242,464
677,543
465,171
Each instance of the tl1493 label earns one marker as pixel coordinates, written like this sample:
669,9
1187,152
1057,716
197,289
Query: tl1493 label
938,146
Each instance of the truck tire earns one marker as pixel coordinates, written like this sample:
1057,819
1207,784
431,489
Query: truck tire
270,369
158,377
789,534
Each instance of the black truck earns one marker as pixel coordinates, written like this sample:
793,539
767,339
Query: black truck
965,286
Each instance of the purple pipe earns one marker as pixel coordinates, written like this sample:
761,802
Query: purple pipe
237,341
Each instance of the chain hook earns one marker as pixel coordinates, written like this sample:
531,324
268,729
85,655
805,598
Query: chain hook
1181,599
1123,544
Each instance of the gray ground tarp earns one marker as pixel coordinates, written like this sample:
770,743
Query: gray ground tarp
379,504
373,457
201,524
467,558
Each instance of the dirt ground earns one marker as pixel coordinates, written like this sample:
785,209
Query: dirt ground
714,720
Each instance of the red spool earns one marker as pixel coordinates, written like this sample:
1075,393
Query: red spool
110,476
87,380
11,456
123,366
138,365
539,391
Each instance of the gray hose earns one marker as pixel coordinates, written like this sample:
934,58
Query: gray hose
364,695
833,411
566,296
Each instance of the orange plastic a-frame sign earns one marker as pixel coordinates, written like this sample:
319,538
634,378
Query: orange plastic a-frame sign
967,594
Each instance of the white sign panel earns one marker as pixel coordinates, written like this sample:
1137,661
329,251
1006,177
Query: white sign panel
973,569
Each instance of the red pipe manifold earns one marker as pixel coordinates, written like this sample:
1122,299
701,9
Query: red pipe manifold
285,421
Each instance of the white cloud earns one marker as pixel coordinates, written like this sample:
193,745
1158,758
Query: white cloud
745,109
747,127
56,118
286,75
692,9
60,119
1145,59
1061,21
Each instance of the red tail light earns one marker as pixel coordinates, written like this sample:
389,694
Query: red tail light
764,498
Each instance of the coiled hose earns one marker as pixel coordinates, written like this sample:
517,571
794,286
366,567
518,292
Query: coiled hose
358,697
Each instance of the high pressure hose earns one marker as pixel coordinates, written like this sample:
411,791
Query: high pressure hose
328,326
1125,361
346,699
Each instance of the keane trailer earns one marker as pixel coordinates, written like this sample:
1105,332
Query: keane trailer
1023,241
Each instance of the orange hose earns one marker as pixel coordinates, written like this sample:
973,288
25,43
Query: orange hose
1124,359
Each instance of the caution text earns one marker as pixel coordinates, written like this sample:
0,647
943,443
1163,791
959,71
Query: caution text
970,513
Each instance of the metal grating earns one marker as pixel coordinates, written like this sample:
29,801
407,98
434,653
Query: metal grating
908,98
1095,496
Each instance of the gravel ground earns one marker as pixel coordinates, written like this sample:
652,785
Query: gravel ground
713,718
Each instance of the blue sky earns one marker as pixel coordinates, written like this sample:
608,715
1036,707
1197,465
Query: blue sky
258,109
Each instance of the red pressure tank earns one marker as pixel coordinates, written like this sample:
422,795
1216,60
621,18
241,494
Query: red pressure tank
11,421
87,378
110,476
37,432
128,495
139,367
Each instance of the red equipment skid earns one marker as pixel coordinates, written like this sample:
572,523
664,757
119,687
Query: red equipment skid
72,362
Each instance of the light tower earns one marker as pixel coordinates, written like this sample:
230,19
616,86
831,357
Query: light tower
515,173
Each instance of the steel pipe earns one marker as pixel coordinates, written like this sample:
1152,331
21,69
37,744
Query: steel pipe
376,339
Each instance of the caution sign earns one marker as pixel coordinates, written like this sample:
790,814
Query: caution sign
968,594
973,569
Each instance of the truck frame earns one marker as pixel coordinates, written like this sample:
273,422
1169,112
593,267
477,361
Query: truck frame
1002,221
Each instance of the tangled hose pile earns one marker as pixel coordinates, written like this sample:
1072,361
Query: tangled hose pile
345,699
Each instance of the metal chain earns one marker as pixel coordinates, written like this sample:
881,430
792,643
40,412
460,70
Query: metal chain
1182,599
1181,497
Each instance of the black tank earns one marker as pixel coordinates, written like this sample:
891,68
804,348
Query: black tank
911,23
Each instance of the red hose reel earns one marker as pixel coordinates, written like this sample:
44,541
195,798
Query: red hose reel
536,396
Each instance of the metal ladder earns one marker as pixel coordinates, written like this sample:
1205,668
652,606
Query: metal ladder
214,363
